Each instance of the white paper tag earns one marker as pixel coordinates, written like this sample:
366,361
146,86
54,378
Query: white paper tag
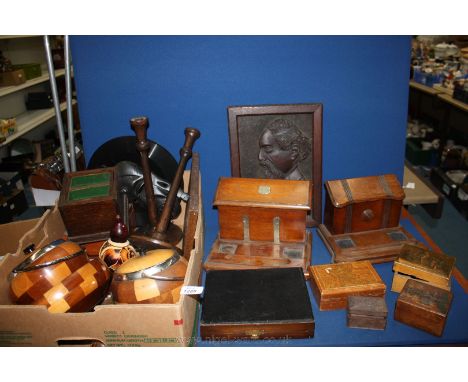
410,185
191,290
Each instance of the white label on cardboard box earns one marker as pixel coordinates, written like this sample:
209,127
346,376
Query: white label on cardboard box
191,290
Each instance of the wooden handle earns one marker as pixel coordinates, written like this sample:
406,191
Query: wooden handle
140,126
191,135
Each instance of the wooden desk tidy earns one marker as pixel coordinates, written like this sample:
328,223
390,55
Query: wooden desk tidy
422,265
362,217
332,284
262,224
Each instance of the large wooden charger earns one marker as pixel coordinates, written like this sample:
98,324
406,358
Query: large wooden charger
61,277
155,278
88,204
361,220
262,224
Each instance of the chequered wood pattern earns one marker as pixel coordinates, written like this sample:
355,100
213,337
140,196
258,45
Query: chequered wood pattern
74,285
149,291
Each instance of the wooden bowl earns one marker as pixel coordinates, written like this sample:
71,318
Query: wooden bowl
152,279
61,277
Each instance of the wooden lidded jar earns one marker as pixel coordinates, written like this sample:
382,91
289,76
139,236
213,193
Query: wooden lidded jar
271,210
363,204
155,278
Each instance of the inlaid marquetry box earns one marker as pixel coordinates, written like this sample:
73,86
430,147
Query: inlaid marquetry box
332,284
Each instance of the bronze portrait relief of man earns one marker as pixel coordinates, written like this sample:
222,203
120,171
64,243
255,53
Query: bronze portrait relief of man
282,146
278,142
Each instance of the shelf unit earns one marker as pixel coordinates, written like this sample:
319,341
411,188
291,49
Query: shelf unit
5,90
29,120
25,49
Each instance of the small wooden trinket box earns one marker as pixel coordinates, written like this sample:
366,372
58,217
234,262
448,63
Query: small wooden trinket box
88,204
423,265
423,306
362,217
332,284
262,224
256,304
367,312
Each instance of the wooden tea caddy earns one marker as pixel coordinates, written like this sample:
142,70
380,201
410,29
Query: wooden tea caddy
423,306
262,224
362,217
423,265
88,204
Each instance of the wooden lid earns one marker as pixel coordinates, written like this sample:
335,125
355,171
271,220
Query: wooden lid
346,191
139,263
346,277
272,193
426,296
367,306
414,259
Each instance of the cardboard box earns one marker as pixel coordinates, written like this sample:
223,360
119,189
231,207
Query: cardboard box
109,325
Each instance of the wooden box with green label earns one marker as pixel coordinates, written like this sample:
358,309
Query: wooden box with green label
88,203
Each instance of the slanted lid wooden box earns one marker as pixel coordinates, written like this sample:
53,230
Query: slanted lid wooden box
367,312
332,284
424,265
362,204
88,203
269,210
423,306
256,304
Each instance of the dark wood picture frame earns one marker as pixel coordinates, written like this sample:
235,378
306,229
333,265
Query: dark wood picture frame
246,124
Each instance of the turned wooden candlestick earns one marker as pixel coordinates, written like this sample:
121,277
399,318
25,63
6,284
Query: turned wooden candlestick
140,126
162,231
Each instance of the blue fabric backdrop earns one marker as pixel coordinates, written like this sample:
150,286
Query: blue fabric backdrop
180,81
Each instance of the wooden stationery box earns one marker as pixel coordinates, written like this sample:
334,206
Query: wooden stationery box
256,304
367,312
423,265
88,203
423,306
269,210
362,204
332,284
